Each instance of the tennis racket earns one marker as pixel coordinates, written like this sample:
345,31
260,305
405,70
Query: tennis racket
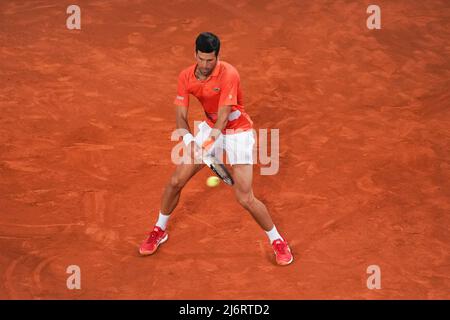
218,168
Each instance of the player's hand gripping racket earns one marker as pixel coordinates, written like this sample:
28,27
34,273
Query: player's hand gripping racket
218,168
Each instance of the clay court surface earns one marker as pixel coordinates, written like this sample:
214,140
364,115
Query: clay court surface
364,178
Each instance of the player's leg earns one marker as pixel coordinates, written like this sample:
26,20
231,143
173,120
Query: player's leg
171,195
239,148
243,176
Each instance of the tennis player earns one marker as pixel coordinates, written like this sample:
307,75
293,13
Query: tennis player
216,84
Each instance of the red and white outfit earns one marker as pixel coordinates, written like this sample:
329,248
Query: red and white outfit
221,88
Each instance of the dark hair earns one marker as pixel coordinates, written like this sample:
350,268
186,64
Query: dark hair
207,42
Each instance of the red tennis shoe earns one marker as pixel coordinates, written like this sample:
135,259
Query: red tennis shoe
154,239
283,253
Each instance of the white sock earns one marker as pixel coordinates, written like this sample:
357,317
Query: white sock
273,234
162,221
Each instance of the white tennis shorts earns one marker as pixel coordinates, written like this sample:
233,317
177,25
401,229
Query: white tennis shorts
238,146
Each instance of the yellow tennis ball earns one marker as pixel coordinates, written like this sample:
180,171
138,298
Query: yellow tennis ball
212,181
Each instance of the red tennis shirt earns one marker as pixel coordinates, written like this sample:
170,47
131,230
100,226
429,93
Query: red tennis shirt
221,88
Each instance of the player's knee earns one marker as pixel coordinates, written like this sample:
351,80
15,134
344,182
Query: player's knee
176,183
245,199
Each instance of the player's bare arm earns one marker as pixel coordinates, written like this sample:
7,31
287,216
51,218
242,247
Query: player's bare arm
222,121
219,126
181,118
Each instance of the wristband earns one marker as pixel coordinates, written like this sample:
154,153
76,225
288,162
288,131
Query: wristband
208,143
188,138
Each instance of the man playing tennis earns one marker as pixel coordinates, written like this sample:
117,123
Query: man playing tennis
216,84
